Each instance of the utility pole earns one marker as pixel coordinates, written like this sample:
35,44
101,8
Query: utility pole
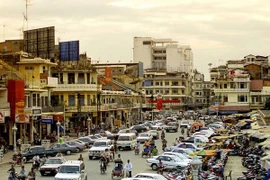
79,108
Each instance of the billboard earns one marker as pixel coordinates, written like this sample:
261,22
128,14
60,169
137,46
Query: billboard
40,42
69,51
16,100
108,74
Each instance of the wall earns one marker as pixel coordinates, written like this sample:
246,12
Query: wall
142,52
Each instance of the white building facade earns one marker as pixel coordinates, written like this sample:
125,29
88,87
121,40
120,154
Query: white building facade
162,54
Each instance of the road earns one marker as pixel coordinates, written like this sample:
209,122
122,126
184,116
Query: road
92,166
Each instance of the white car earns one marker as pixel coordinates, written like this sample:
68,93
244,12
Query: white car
154,133
144,137
99,148
185,152
100,137
180,156
169,161
159,126
185,124
51,165
146,176
71,170
190,146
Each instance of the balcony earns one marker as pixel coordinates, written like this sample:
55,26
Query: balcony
52,82
241,80
246,90
162,87
77,87
236,103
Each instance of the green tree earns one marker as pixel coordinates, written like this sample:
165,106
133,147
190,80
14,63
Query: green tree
267,104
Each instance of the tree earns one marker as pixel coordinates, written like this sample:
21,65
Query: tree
267,104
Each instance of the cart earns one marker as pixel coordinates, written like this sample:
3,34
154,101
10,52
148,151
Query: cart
117,171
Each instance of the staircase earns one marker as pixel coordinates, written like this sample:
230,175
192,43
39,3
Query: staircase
11,69
123,86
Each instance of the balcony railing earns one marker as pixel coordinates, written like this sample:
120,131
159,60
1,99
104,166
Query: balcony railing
231,90
236,103
162,87
77,87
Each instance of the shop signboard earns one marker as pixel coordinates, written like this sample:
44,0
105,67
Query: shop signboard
22,118
47,119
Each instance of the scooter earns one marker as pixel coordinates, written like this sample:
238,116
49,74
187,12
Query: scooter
137,150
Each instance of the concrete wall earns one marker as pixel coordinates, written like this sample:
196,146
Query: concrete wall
142,52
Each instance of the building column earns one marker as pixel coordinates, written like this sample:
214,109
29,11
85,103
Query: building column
10,133
76,78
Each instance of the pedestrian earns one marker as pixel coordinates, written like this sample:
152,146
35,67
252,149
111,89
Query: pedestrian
19,144
32,174
128,168
155,151
22,174
80,158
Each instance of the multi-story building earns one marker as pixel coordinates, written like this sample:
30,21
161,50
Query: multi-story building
241,85
201,91
162,54
167,72
173,87
35,73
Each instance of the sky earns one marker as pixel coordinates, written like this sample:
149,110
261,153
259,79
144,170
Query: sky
216,30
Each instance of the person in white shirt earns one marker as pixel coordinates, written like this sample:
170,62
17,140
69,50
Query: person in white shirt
128,168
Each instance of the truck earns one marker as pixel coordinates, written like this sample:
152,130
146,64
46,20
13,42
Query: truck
40,151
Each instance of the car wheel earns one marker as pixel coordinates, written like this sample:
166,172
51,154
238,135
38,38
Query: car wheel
154,167
68,152
78,150
90,157
42,173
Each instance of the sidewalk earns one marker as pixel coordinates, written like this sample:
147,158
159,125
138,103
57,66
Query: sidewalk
7,158
234,164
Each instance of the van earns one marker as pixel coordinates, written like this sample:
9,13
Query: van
126,141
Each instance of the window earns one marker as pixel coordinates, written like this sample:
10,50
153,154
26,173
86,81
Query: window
175,91
167,83
225,86
231,85
167,91
44,69
157,83
88,100
81,100
175,83
34,100
146,42
242,98
71,100
161,83
242,86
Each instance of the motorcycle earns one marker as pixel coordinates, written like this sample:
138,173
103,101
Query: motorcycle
161,170
102,167
35,164
137,151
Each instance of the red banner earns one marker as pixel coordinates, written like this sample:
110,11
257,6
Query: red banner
159,104
108,74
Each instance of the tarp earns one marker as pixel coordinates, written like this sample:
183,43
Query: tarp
224,137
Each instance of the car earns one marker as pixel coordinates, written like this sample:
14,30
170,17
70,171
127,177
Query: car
63,148
198,140
169,161
81,142
99,148
158,126
185,124
215,126
79,146
73,169
146,176
123,131
51,165
185,152
87,140
190,146
172,127
93,137
180,156
99,136
154,133
144,137
139,128
204,133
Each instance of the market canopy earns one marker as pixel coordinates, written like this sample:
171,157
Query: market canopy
224,137
197,124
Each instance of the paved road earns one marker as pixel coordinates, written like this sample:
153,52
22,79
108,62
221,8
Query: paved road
92,166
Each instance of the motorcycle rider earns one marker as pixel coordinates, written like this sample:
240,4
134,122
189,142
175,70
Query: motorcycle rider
160,167
22,175
36,161
137,146
162,134
11,171
103,160
107,155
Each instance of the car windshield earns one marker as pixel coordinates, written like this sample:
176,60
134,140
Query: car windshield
99,144
69,169
144,176
98,135
123,138
93,137
184,122
53,161
144,135
85,139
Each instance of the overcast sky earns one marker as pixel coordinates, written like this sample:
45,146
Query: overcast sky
216,30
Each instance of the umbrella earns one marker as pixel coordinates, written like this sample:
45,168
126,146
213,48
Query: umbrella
197,124
205,153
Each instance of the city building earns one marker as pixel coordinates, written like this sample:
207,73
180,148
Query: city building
201,91
162,54
168,70
240,85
